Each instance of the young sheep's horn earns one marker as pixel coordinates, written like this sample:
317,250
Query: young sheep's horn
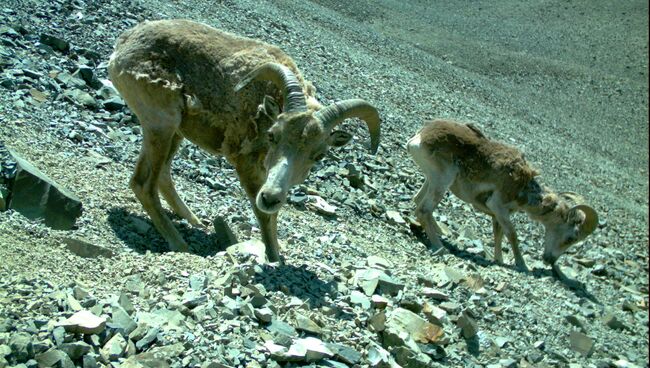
573,197
334,114
591,220
284,79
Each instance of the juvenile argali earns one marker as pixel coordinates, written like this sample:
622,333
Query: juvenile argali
495,179
232,96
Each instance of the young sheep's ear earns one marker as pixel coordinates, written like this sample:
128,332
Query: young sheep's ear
339,138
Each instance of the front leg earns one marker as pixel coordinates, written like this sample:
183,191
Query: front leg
497,231
269,227
251,176
502,216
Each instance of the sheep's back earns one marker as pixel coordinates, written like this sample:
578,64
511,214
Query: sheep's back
202,61
479,159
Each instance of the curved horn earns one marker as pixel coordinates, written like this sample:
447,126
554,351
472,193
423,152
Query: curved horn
355,108
591,220
284,79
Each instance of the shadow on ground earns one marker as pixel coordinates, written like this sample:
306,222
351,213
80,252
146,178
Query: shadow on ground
139,234
297,281
575,286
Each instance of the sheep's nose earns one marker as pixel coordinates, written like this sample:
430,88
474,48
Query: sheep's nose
271,198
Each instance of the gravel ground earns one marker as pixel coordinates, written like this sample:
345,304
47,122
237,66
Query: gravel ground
567,82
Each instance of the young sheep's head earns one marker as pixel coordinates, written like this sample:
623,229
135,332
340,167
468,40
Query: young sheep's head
567,222
299,137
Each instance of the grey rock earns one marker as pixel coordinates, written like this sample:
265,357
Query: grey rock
125,302
70,81
377,322
390,285
345,353
315,349
55,42
88,75
253,247
58,334
224,236
90,361
358,298
113,104
304,323
404,324
36,196
198,282
468,326
84,322
121,321
450,307
264,314
165,319
85,249
411,303
434,294
581,343
54,358
81,97
408,358
577,322
21,346
192,299
139,332
114,348
146,340
610,320
379,301
75,350
434,314
378,357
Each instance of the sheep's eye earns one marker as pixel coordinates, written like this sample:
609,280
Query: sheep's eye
272,137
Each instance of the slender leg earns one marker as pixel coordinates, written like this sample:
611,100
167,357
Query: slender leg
251,178
439,175
167,189
158,130
502,216
498,237
426,201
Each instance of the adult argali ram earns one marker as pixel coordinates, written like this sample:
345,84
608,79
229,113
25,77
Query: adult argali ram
232,96
495,179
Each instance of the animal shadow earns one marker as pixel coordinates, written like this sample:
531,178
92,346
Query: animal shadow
139,234
297,281
575,286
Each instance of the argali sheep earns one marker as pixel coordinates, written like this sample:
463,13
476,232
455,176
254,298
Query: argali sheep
495,179
232,96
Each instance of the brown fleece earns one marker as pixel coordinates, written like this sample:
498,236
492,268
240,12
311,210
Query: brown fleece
479,158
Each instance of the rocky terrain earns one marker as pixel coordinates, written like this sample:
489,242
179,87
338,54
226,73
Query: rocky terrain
567,82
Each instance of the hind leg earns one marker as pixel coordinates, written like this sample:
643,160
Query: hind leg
167,189
159,126
438,178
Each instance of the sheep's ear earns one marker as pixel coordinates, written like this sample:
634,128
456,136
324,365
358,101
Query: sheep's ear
271,108
339,138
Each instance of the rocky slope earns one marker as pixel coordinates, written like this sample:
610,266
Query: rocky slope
359,287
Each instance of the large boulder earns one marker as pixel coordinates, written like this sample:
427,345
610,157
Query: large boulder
36,196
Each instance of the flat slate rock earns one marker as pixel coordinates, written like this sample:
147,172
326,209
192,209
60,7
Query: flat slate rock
36,196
